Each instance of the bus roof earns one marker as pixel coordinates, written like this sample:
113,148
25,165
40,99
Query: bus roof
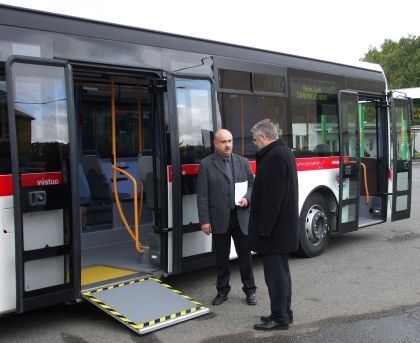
47,21
413,93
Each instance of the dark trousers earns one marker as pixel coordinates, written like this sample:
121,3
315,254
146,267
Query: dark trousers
279,284
221,242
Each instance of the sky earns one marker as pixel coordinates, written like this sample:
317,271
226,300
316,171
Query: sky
332,30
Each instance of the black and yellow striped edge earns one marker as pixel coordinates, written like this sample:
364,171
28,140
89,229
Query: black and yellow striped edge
140,326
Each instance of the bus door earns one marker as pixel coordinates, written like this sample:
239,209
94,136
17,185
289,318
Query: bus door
373,138
401,158
116,275
45,194
349,175
191,128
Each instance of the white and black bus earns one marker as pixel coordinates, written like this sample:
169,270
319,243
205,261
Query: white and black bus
102,128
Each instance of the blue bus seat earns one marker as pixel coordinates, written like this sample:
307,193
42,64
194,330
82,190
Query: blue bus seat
125,186
84,189
99,182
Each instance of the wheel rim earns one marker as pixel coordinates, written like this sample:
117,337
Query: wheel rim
316,225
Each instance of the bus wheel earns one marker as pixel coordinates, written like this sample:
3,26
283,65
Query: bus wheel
314,226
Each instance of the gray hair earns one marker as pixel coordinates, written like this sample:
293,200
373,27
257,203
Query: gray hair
267,128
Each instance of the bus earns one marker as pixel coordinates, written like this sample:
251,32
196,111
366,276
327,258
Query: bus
102,129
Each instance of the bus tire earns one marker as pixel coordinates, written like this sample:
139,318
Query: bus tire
314,226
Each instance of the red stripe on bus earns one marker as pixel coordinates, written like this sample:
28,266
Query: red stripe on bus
41,179
169,172
186,169
29,180
55,178
317,163
253,165
6,185
302,164
189,169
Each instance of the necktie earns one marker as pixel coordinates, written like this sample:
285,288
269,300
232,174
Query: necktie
229,173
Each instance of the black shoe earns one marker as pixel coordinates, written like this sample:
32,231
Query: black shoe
270,325
219,299
267,318
251,299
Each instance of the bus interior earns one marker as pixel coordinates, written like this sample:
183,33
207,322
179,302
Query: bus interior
373,152
108,246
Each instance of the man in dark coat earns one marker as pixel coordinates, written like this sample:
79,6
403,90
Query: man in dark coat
273,222
224,218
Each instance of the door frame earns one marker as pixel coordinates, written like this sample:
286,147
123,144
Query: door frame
157,90
179,263
348,169
400,166
62,292
383,139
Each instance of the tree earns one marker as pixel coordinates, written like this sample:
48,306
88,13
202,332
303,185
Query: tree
400,61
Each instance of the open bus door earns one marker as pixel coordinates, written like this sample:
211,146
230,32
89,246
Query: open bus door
43,149
401,158
137,299
192,124
349,175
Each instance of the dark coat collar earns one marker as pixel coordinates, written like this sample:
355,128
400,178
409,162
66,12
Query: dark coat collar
268,147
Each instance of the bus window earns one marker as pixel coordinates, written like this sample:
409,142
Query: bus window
370,121
41,118
314,113
232,79
268,83
240,113
5,160
195,122
95,112
195,130
376,86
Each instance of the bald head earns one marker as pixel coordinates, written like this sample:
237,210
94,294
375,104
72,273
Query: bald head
223,142
221,132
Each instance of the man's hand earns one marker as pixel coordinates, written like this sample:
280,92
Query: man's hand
206,228
243,202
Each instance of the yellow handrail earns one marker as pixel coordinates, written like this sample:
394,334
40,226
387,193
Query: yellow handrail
366,184
134,235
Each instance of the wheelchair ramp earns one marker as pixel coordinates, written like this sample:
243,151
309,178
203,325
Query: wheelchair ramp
145,304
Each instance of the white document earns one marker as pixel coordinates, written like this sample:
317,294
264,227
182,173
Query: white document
240,191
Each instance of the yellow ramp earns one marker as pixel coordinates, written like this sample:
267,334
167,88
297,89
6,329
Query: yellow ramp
95,274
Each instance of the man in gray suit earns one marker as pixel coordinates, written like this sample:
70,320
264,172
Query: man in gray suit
220,216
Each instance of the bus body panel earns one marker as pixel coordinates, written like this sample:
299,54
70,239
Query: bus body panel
7,258
310,181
